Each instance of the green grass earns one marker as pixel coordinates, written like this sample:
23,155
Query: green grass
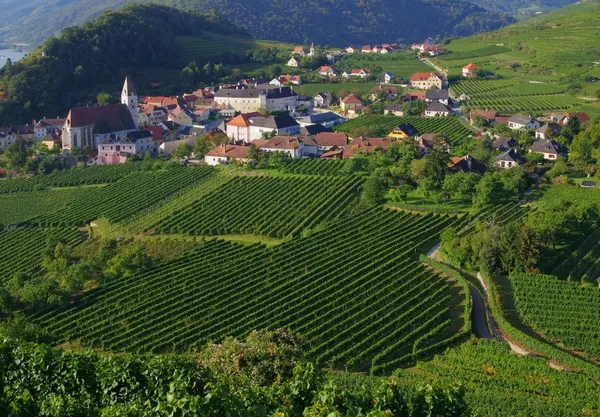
416,200
211,46
357,88
402,64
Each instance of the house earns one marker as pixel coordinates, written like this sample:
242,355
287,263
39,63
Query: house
6,139
299,50
51,140
313,130
284,79
293,62
116,149
390,93
488,115
467,164
509,159
281,125
151,115
426,80
333,153
366,145
581,116
168,147
437,109
88,126
504,143
469,70
45,126
357,72
518,122
291,145
323,99
395,109
549,129
386,78
426,142
328,119
550,149
182,116
434,50
328,140
501,120
327,71
224,154
351,101
437,96
405,130
366,49
189,131
246,100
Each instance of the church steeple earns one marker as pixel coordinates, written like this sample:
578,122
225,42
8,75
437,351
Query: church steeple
129,98
312,52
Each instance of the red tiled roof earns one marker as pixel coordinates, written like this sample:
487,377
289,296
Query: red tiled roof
106,119
281,142
486,114
332,139
243,120
230,151
352,98
471,67
157,133
423,76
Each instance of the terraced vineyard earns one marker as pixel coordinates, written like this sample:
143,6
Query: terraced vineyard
355,289
316,167
452,127
22,249
500,384
100,174
211,46
583,264
563,312
128,197
272,206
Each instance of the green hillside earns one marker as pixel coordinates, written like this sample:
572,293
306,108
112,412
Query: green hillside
547,63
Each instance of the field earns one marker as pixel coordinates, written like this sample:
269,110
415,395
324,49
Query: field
335,88
564,312
453,128
316,167
500,384
545,64
354,288
275,207
211,46
402,64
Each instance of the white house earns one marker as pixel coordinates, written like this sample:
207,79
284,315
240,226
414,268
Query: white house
357,72
238,129
518,122
386,78
509,159
550,149
291,145
323,99
224,154
246,100
293,62
436,109
281,125
46,126
328,119
469,70
327,71
543,132
437,96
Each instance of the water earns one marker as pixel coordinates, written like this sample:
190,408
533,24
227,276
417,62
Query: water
10,53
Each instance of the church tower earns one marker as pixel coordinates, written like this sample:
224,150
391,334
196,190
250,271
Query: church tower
312,51
129,98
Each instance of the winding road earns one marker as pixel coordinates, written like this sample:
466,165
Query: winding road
479,315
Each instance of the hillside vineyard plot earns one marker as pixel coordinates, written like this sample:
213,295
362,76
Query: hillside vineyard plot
356,290
22,249
316,166
584,263
127,197
564,312
276,207
451,127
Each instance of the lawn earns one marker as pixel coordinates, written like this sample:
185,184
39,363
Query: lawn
417,201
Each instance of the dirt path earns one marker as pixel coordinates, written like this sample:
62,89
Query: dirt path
479,323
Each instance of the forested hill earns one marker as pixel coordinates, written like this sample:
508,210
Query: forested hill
522,7
331,22
100,53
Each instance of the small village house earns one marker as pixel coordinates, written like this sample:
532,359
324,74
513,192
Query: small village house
281,125
518,122
390,93
116,149
437,110
551,150
403,131
547,130
351,101
224,154
395,109
509,159
426,81
293,62
470,70
322,99
437,96
386,78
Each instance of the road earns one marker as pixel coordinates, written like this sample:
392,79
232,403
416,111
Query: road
478,315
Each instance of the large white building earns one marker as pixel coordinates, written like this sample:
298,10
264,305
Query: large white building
251,100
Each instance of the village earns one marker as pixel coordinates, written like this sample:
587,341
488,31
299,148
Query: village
262,115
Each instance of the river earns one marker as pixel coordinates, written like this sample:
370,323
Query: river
10,53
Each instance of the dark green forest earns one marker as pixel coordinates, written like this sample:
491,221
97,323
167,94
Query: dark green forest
80,62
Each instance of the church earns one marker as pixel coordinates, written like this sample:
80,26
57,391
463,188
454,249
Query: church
90,125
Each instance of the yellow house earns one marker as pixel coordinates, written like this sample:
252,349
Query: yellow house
405,130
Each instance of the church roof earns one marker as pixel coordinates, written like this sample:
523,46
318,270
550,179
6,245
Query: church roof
105,119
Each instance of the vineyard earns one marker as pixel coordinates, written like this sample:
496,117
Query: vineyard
562,311
500,384
276,207
124,199
475,53
22,249
211,46
584,263
316,167
100,174
451,127
355,289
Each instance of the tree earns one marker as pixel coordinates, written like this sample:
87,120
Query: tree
128,262
15,155
104,99
401,193
571,129
182,151
413,108
252,152
202,145
373,192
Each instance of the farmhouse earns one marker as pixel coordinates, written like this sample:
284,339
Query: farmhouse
366,49
116,150
426,80
469,70
299,50
509,159
246,100
550,149
437,96
436,109
352,49
351,101
488,115
405,130
323,99
224,154
518,122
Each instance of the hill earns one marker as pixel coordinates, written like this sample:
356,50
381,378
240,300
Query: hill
522,8
543,64
84,61
287,20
